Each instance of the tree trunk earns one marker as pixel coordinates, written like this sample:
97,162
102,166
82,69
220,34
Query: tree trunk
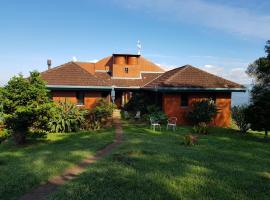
19,137
265,133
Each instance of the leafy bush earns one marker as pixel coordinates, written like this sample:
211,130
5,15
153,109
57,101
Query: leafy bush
239,115
99,115
202,111
190,140
201,128
67,117
22,102
4,134
103,110
138,102
156,114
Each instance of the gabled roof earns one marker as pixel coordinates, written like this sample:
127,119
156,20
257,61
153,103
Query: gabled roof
190,77
71,74
95,75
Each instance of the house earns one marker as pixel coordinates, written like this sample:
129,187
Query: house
84,83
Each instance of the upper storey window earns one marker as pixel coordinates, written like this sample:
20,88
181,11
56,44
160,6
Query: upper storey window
126,69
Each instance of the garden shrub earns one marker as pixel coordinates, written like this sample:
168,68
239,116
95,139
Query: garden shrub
67,117
99,115
138,102
202,111
24,103
190,139
239,115
4,134
156,114
201,128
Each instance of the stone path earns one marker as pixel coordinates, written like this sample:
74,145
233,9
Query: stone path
51,186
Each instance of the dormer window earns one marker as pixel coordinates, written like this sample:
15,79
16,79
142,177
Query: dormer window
126,69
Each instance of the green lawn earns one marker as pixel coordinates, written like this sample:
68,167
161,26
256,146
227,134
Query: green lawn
22,168
149,165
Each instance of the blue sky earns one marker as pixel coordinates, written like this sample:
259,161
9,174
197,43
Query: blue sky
219,36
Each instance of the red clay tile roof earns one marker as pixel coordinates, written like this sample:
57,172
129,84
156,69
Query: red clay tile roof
74,74
146,78
71,74
191,77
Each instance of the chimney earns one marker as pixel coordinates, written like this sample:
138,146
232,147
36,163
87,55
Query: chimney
49,63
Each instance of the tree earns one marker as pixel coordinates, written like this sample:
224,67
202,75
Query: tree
25,102
259,109
202,111
240,117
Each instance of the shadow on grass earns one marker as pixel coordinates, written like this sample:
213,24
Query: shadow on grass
25,167
155,165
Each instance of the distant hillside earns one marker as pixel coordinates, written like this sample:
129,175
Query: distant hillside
239,98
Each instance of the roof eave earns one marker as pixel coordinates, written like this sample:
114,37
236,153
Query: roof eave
182,89
75,87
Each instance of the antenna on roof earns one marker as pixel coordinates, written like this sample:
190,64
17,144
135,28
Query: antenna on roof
74,59
139,47
49,63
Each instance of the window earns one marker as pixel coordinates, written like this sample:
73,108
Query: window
126,69
80,98
184,100
213,97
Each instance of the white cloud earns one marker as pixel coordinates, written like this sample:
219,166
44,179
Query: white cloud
236,20
235,74
93,61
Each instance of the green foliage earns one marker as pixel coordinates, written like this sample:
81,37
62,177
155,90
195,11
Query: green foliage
258,112
190,140
156,114
67,117
138,102
201,128
239,115
23,102
4,134
99,115
103,110
202,111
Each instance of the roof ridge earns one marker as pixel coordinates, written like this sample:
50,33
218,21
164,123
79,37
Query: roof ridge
178,72
89,72
216,76
54,68
152,80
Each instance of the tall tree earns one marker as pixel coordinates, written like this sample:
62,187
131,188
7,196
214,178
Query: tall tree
259,110
25,102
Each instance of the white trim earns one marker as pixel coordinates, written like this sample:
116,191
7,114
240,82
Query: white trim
119,77
101,70
90,87
151,72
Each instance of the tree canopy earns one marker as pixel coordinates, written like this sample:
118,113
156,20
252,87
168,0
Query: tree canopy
25,102
259,109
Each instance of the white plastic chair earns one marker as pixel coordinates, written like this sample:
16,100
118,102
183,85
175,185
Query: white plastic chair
126,115
172,123
154,124
138,115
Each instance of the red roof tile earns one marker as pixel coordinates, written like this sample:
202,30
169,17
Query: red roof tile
191,77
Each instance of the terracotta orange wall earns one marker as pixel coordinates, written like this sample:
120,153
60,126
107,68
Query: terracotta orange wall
90,98
172,108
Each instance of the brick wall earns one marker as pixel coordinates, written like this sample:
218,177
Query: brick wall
90,98
171,106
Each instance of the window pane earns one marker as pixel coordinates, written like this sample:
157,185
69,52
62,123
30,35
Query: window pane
80,98
184,100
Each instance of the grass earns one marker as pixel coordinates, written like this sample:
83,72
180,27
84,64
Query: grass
24,167
153,165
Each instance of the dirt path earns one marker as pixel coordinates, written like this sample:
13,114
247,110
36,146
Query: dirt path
51,186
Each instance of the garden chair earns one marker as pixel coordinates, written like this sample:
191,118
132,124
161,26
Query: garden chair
126,115
172,123
138,115
154,124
